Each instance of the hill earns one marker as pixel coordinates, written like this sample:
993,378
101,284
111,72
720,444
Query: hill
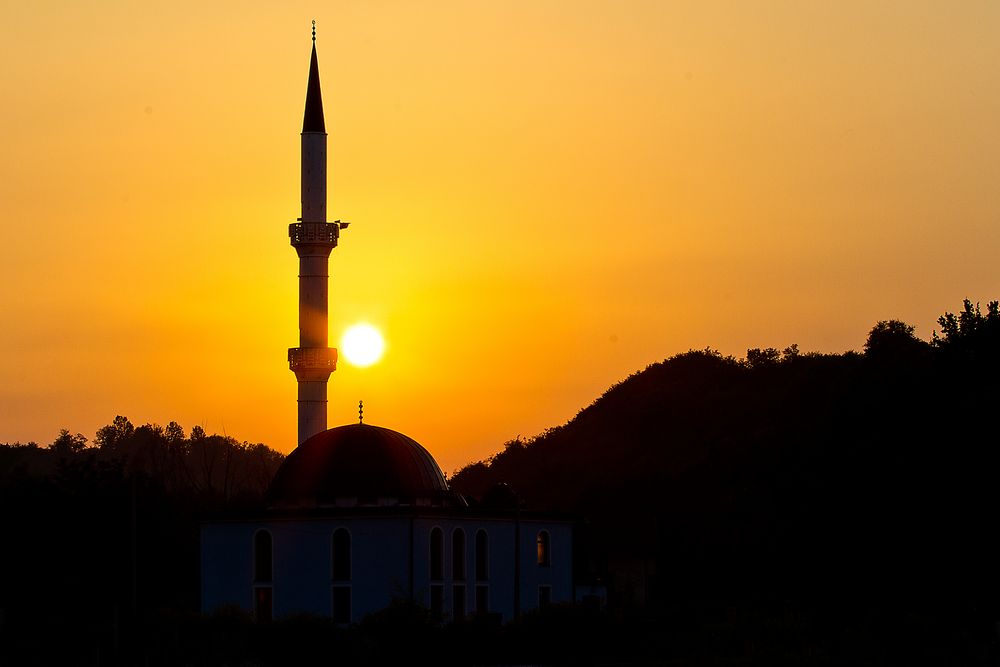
861,479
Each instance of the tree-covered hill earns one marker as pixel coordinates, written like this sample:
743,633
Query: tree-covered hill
814,476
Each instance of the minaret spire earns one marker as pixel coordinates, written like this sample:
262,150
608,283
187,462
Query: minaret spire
313,119
313,239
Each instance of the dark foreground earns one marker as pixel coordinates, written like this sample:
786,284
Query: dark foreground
704,634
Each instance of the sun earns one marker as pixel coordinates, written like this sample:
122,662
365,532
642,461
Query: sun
362,345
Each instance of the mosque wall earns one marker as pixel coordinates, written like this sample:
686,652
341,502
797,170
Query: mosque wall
461,566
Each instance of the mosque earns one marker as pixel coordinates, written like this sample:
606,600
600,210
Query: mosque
358,516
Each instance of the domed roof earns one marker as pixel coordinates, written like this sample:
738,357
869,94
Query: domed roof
359,464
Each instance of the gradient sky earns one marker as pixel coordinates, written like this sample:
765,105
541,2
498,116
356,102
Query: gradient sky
546,196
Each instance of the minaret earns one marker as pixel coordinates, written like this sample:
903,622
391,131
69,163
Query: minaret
313,239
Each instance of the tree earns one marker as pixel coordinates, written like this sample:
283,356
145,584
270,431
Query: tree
67,444
176,471
110,438
174,433
147,450
970,331
893,339
758,358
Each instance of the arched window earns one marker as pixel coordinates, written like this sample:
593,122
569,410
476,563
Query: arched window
482,555
437,554
340,569
437,572
262,569
543,548
458,555
262,576
458,574
341,565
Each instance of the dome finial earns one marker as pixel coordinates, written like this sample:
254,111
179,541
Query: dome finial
314,30
361,412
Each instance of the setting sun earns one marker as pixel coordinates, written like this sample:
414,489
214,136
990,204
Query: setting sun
777,173
362,345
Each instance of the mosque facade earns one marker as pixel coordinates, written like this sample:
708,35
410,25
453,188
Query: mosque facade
359,516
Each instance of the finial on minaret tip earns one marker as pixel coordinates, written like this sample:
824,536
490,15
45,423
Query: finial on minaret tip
314,30
361,412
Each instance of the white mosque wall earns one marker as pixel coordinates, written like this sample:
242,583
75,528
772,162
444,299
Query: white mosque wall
383,551
226,568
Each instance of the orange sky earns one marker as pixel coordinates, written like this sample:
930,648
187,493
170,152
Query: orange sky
546,197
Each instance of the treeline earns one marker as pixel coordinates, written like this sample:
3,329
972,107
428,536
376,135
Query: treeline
97,538
217,469
860,490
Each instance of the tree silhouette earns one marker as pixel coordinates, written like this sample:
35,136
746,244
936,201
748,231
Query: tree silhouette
970,333
110,438
67,444
893,340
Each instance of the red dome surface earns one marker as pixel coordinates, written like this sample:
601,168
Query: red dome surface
358,464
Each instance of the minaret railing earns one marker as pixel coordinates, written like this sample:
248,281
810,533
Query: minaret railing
325,233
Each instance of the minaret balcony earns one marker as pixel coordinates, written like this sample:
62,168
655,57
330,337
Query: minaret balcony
312,359
314,233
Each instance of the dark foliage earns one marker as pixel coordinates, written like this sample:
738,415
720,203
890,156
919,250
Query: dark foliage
861,489
98,537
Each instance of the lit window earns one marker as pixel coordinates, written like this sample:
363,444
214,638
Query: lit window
543,548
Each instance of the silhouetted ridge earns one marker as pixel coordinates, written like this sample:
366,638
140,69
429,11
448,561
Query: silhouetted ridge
834,476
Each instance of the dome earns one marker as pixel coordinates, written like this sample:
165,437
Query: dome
359,464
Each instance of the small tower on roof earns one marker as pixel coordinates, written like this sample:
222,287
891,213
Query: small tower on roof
313,239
